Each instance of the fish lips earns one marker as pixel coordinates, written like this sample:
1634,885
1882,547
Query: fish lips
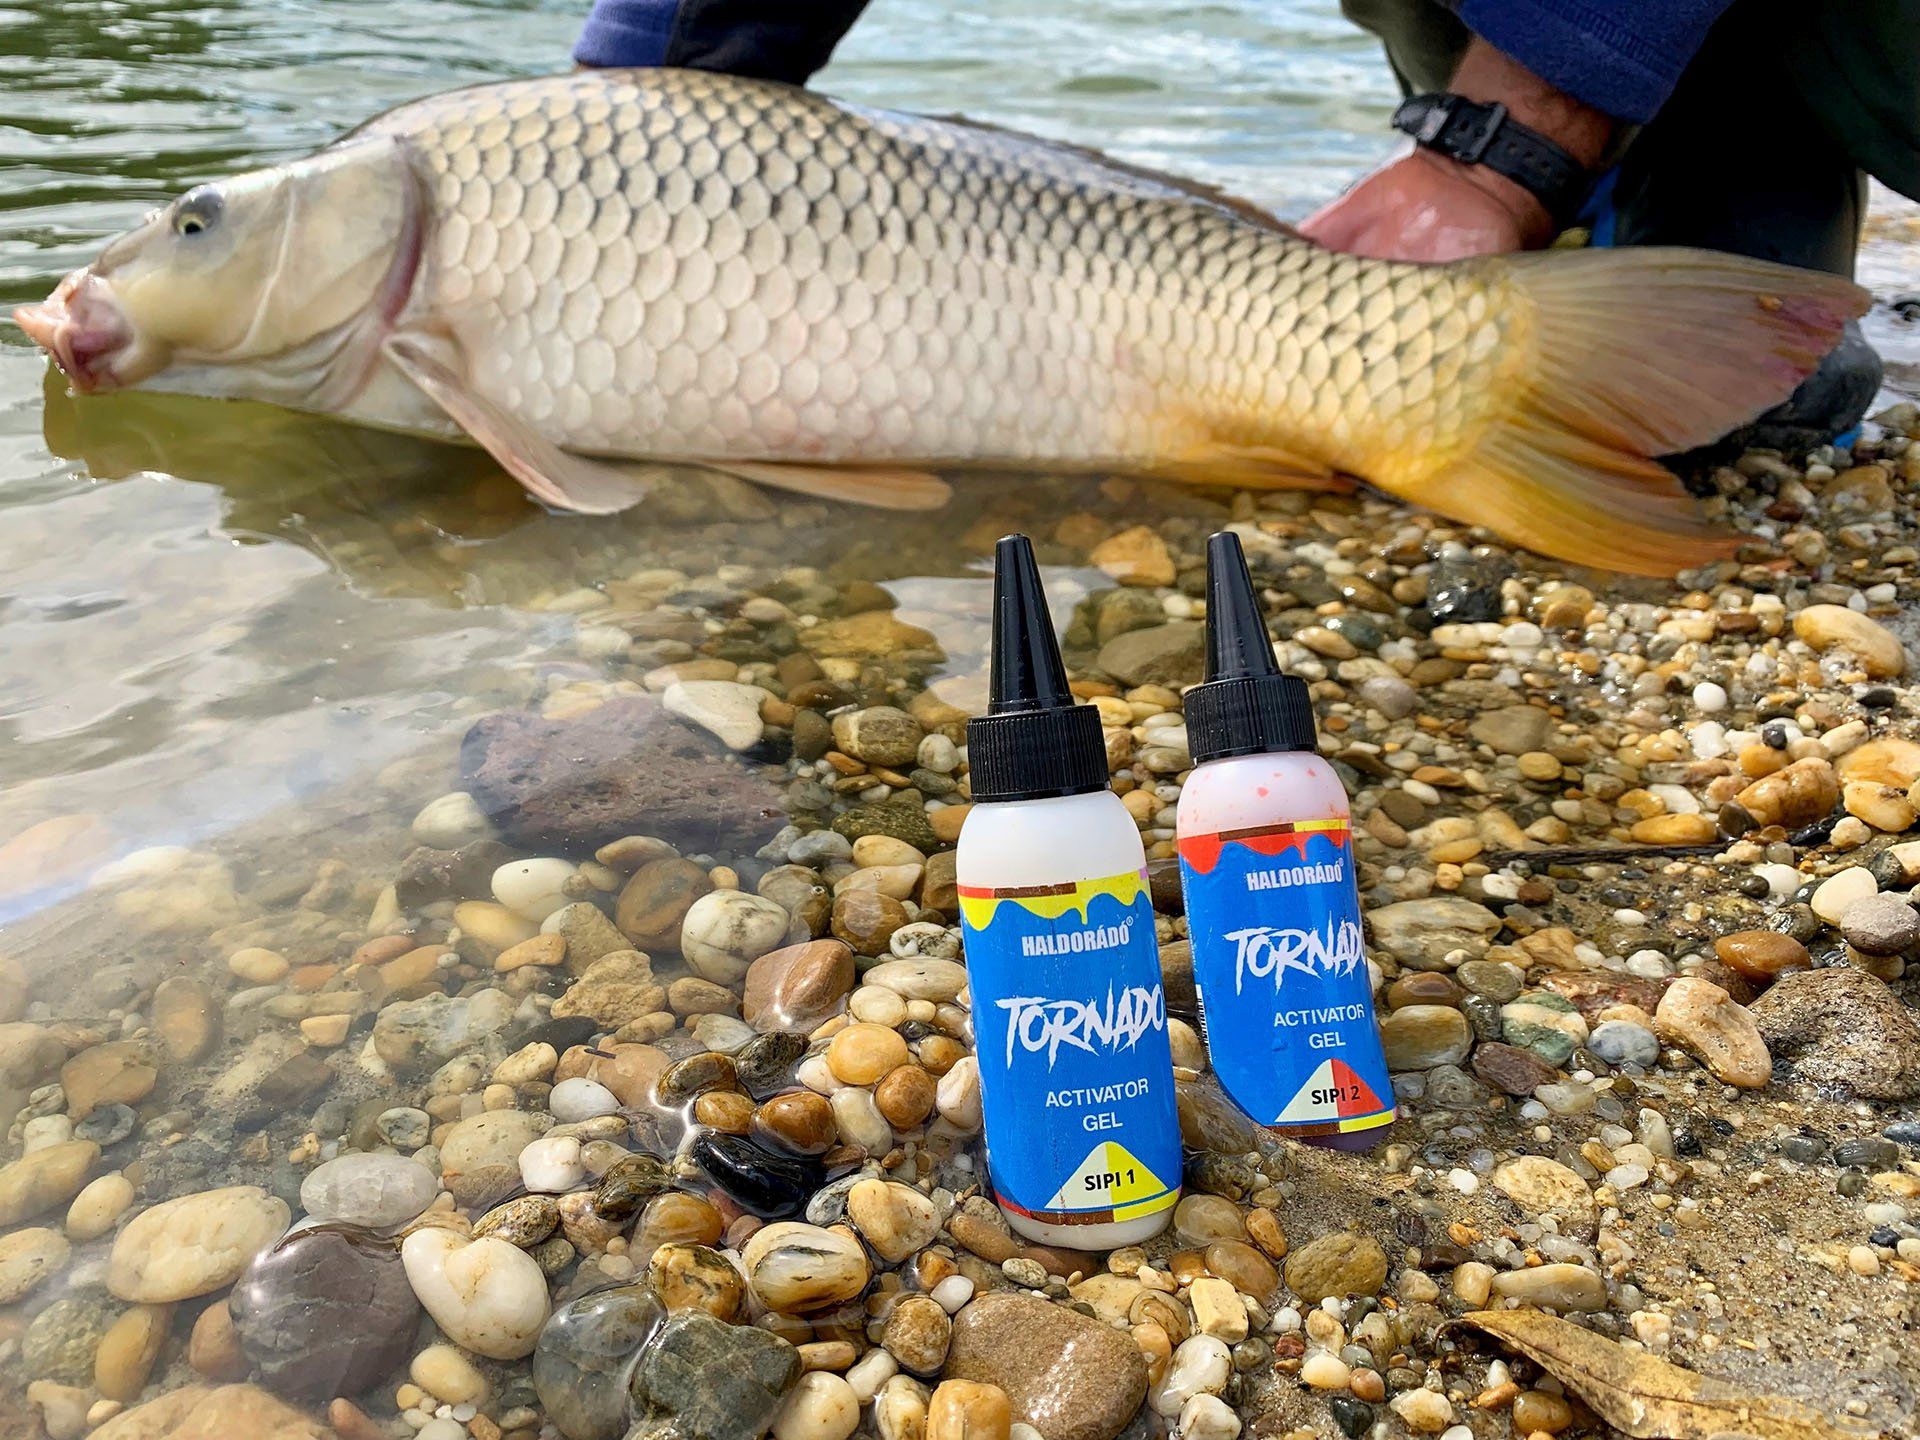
82,326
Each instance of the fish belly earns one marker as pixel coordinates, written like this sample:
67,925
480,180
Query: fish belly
679,264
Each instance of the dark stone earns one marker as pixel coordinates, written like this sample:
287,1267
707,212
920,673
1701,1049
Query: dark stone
703,1379
1870,1152
1228,1175
901,822
1443,1255
773,1187
1512,1069
623,768
629,1184
1483,1015
1451,1088
1904,1132
107,1125
694,1076
1176,977
327,1311
1354,1417
1163,886
1465,587
427,875
59,1344
765,1062
1804,1149
563,1034
586,1353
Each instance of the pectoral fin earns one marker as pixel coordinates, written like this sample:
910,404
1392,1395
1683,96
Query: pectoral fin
550,474
881,486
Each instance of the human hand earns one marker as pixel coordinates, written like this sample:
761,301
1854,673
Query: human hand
1426,207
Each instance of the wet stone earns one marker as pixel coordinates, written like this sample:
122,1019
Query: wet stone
766,1064
901,822
1509,1068
770,1186
1760,955
60,1343
1491,978
585,1355
708,1380
1451,1088
327,1311
694,1076
1336,1264
524,1222
374,1190
1843,1028
629,1185
1067,1375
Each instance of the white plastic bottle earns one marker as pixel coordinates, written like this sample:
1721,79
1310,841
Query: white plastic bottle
1069,1017
1273,912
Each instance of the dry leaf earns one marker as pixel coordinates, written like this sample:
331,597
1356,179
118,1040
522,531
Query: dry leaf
1645,1397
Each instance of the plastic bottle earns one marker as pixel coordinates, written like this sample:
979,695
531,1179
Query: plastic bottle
1266,859
1069,1017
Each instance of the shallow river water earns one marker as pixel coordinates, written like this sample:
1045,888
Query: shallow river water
207,611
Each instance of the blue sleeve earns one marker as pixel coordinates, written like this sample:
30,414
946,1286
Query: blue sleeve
1620,56
627,32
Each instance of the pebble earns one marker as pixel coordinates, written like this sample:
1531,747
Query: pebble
1701,1017
327,1311
969,1410
703,1379
1324,1371
584,1357
770,1186
794,1267
1425,1412
1336,1264
697,1277
861,1054
96,1208
895,1219
798,1122
725,709
1542,1186
727,930
125,1359
1870,643
577,1099
194,1244
453,820
552,1165
1761,955
1563,1287
1066,1375
821,1406
797,987
1623,1042
27,1258
487,1295
1844,1028
1419,1037
1201,1365
1880,925
917,1334
533,889
1841,891
373,1190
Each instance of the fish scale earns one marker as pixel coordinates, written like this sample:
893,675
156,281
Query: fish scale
613,266
678,263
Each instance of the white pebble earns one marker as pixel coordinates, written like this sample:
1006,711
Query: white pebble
1206,1417
871,1371
450,822
580,1099
552,1166
531,889
952,1293
1201,1366
822,1406
1709,697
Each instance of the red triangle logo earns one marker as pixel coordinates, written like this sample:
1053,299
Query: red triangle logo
1356,1096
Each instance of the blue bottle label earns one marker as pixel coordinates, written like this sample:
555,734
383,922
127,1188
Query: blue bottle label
1285,1000
1070,1025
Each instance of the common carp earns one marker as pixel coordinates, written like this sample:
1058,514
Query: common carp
590,269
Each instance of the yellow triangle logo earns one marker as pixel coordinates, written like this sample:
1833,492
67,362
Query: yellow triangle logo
1110,1178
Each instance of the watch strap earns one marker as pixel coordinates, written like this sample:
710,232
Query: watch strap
1486,134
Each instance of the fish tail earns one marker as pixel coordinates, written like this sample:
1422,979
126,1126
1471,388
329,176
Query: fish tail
1637,353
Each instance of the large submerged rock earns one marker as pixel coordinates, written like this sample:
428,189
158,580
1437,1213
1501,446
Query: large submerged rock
625,768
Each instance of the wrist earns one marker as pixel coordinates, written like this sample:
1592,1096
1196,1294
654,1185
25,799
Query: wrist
1532,224
1489,76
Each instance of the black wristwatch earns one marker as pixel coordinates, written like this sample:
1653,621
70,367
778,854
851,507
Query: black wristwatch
1476,134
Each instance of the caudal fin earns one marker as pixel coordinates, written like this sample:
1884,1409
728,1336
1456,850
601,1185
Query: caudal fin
1638,353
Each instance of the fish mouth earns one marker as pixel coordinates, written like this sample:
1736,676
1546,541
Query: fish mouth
82,326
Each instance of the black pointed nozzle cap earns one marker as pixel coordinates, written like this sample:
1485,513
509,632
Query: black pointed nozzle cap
1035,741
1245,706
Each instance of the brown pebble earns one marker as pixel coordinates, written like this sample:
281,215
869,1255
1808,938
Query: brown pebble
798,1122
1264,1228
696,1075
214,1349
725,1110
905,1095
866,920
697,1277
1242,1267
1367,1385
353,1423
676,1218
1762,955
862,1053
940,1053
916,1334
1537,1410
127,1351
1423,987
654,902
969,1410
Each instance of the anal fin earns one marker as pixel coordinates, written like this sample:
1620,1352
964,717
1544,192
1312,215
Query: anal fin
548,473
884,487
1254,467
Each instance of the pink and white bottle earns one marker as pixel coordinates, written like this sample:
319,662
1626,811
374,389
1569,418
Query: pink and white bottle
1273,911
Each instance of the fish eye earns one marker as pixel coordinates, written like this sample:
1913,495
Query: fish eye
197,211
